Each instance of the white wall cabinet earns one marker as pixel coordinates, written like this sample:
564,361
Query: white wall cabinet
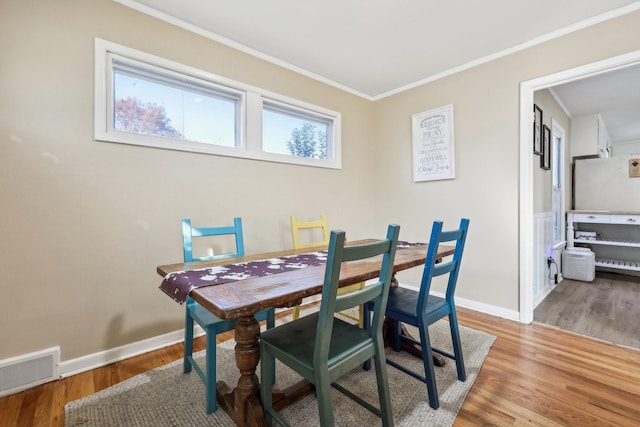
617,237
589,136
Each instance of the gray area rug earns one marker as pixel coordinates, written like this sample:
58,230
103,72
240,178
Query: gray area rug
167,397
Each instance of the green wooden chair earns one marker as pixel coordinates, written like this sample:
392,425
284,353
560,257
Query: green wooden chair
322,347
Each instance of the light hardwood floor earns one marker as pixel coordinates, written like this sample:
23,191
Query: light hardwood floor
607,308
534,375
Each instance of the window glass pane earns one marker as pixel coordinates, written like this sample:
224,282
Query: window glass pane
555,159
294,133
556,191
148,106
557,219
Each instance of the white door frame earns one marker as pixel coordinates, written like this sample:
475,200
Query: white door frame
526,162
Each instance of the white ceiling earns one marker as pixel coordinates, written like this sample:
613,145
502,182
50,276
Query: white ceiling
615,95
374,48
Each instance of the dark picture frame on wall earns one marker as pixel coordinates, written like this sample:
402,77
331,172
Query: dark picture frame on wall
545,159
537,130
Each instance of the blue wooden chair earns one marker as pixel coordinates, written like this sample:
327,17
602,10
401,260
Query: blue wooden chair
298,243
421,309
211,324
322,347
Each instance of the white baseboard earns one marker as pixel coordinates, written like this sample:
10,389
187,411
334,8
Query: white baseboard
478,306
96,360
487,308
103,358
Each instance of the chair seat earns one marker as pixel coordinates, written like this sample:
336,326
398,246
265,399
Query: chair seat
402,302
296,341
207,319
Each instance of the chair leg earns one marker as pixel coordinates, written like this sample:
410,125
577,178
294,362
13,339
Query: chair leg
210,385
397,341
296,312
457,346
427,361
366,325
386,413
267,368
271,322
361,308
323,394
188,341
271,319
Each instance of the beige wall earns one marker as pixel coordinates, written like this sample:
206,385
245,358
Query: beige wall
604,184
486,103
486,185
85,223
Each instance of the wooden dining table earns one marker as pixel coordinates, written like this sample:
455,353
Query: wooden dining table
242,299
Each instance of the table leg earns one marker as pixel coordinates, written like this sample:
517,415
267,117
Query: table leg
243,403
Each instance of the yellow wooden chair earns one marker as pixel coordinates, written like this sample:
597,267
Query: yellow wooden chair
309,242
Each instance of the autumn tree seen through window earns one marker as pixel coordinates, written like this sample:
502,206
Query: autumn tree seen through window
131,115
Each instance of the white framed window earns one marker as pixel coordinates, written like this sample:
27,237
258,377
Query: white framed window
141,99
557,189
287,130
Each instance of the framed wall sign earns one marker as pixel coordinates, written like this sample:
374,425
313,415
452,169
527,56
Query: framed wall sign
634,168
545,158
537,130
433,145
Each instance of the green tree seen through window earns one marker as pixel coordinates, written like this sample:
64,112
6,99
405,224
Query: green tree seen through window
308,141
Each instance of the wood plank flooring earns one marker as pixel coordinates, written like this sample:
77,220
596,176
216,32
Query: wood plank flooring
534,375
607,308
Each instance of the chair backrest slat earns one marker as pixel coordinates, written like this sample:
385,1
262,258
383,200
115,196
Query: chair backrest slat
378,292
434,267
296,226
358,297
189,232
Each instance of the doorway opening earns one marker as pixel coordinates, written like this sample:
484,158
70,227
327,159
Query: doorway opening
526,237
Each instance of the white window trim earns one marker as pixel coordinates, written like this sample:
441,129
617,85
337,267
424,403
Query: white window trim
250,126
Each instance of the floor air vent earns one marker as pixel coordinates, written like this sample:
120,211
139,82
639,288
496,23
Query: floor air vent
29,370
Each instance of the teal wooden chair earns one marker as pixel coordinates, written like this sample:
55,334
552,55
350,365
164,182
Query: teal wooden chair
211,324
420,309
322,347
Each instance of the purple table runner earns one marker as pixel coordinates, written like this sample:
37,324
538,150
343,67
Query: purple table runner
177,285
